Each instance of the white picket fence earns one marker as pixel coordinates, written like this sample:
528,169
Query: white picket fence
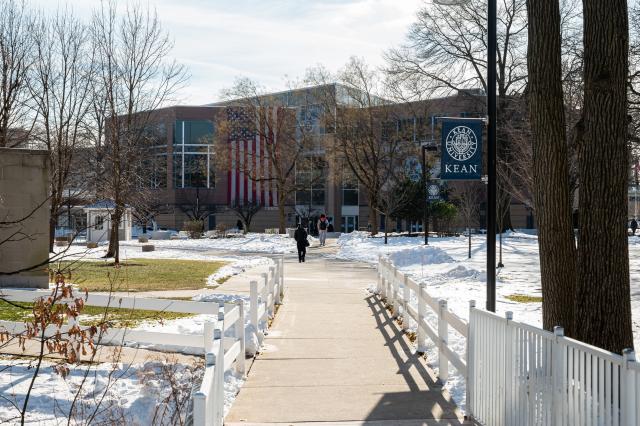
121,335
517,374
222,352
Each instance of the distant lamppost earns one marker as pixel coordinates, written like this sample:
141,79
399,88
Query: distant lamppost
491,148
425,188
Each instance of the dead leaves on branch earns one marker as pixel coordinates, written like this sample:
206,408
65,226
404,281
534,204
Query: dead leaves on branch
54,325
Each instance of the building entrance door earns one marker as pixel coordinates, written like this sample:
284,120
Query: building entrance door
349,223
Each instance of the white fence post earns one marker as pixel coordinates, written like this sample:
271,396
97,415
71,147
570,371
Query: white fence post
218,392
443,337
422,310
406,298
239,334
253,310
281,296
379,285
628,389
264,294
471,367
396,294
508,361
199,409
208,336
271,287
558,367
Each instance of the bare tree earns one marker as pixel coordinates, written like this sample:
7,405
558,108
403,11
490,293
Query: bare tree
245,212
288,141
397,195
16,60
468,196
60,89
365,131
135,78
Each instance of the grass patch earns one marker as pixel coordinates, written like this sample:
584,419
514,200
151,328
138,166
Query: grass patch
116,317
523,298
142,274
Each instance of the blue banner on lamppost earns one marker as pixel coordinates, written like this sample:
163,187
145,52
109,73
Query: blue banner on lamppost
461,149
433,192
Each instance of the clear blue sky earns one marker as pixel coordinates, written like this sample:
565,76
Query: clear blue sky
269,40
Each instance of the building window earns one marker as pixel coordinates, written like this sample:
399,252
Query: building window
98,223
311,184
349,188
193,154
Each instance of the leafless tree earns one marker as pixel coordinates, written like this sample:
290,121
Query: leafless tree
16,61
245,212
60,90
289,139
135,78
365,131
393,200
468,196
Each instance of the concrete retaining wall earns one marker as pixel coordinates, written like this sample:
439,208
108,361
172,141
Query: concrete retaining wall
24,185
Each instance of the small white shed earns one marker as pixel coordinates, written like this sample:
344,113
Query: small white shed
99,222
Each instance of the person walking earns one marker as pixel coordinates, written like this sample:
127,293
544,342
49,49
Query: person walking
301,241
634,225
323,224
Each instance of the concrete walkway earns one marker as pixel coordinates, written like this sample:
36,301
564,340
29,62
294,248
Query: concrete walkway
335,357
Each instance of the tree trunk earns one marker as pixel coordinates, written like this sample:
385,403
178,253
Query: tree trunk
504,210
373,218
469,232
550,166
281,215
602,303
114,236
386,231
52,233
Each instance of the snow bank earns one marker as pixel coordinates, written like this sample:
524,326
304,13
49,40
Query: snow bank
420,256
133,393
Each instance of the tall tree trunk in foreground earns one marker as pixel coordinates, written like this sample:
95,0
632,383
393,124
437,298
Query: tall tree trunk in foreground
602,304
550,166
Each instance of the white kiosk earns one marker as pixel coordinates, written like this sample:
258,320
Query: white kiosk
99,222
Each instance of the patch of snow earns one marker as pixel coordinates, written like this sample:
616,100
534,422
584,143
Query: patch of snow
133,393
237,266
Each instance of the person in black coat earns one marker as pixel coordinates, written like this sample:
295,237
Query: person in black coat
634,225
301,241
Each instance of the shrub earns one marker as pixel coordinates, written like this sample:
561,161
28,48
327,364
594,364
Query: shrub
194,228
222,229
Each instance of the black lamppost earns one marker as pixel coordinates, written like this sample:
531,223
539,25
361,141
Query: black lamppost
491,148
425,187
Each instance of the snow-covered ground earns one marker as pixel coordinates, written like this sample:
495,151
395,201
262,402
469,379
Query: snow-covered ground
118,393
449,274
249,243
136,392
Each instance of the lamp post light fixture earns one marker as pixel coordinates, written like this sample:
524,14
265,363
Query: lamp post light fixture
491,148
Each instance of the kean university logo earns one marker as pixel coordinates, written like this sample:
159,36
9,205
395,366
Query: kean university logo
461,150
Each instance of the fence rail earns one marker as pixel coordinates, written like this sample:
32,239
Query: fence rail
517,374
222,352
223,342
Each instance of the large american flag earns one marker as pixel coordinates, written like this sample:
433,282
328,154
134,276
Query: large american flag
250,168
